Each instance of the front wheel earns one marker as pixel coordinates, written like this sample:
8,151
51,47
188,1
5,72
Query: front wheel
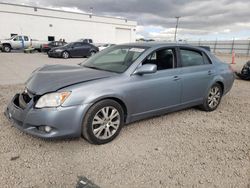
213,98
103,122
6,48
65,55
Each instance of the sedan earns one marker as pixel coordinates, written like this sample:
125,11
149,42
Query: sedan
117,86
74,49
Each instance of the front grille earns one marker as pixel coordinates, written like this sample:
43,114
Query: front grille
24,99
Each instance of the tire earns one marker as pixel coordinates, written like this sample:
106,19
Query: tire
65,55
6,48
97,129
213,98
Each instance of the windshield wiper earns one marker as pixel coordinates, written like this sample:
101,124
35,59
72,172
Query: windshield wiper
92,67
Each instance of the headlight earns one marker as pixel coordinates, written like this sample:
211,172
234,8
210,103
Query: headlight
58,50
52,100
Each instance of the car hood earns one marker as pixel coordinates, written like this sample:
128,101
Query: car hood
51,78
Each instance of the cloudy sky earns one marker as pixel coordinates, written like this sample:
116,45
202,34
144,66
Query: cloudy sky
200,19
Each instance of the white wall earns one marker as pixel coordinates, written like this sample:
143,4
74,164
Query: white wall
70,26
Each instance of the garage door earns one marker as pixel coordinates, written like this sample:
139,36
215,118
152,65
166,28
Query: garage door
123,35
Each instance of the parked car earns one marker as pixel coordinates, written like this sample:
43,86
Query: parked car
104,46
49,46
74,49
20,42
122,84
245,72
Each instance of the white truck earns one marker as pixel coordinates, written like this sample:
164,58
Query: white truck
18,42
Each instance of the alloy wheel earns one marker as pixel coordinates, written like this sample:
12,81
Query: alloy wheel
92,53
214,97
106,122
65,55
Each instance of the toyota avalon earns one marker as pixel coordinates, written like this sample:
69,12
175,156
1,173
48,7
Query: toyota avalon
117,86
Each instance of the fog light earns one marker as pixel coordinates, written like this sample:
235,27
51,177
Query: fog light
47,129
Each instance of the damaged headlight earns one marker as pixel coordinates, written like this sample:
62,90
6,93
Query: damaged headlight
52,99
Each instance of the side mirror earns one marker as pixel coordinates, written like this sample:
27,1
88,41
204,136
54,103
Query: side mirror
146,69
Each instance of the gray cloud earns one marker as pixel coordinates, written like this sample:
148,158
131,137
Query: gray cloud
208,16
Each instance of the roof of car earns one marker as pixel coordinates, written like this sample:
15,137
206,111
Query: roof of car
155,44
162,44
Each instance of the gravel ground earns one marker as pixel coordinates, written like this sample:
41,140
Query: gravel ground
189,148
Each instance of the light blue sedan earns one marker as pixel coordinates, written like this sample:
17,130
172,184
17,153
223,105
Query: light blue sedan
119,85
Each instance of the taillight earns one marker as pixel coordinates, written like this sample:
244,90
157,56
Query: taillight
45,45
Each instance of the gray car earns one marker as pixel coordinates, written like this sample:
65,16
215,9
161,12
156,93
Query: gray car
119,85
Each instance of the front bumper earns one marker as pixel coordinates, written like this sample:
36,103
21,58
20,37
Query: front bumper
54,54
65,121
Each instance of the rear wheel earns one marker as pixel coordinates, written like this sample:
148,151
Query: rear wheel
92,53
65,55
6,48
103,122
213,98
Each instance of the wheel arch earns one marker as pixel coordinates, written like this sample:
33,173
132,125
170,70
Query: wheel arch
221,84
116,99
7,44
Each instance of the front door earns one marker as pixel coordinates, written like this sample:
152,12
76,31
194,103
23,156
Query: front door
156,92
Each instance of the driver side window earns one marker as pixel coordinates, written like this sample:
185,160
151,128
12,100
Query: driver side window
163,59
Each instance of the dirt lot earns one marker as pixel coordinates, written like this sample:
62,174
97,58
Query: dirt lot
189,148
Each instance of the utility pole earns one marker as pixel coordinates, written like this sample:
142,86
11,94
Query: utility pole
91,10
177,23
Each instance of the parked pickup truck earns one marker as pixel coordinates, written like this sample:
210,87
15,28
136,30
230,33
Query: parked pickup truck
20,42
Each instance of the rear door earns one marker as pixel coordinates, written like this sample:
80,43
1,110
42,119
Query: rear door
26,41
76,49
80,49
197,72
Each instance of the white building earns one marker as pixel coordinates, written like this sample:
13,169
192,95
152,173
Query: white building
49,24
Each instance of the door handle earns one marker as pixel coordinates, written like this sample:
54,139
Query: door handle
176,78
210,72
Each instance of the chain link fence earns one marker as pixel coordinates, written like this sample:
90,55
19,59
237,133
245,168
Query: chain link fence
241,47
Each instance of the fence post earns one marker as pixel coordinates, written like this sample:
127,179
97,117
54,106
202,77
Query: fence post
232,46
248,50
215,45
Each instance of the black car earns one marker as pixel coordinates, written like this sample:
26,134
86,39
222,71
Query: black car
245,72
74,49
48,47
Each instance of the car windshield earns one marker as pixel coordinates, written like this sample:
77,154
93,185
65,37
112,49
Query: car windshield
115,59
